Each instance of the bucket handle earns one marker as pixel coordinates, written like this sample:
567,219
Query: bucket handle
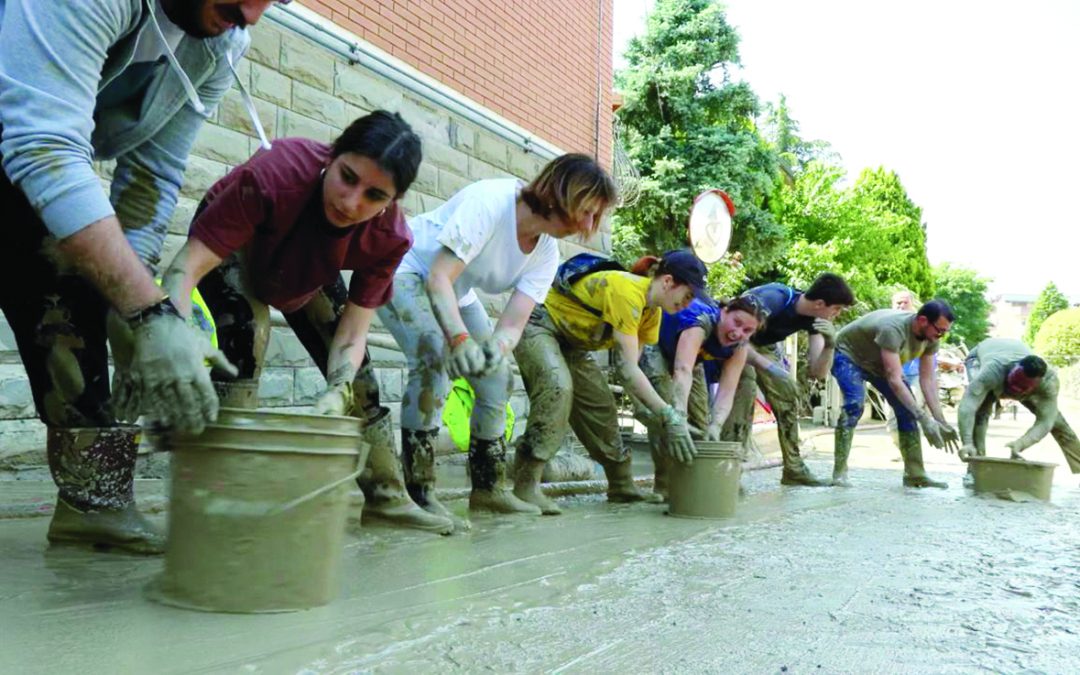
282,508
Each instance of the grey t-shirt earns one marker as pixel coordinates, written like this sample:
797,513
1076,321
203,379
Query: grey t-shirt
863,339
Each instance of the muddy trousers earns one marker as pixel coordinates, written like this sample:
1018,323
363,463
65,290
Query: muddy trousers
658,370
568,390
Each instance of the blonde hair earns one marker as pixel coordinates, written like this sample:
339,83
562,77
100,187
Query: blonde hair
567,187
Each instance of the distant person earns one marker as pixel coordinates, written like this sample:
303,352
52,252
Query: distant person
871,349
1000,368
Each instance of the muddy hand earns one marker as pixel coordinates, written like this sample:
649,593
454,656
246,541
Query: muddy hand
125,394
932,430
168,367
676,440
336,400
827,330
712,432
967,452
950,437
466,358
1015,449
495,351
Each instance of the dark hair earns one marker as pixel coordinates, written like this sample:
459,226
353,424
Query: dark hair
832,289
935,309
748,303
1033,366
567,186
386,138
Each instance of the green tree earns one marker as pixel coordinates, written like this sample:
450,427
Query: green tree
689,127
1058,340
1050,300
965,290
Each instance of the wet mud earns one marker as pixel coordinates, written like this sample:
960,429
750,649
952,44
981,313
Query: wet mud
871,578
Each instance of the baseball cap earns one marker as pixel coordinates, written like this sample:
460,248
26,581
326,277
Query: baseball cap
685,267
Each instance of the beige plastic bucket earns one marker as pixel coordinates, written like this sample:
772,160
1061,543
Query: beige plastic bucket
708,487
257,512
994,474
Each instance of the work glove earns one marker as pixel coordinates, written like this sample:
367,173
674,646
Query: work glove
932,430
169,372
827,330
125,396
676,440
337,399
466,358
496,353
712,432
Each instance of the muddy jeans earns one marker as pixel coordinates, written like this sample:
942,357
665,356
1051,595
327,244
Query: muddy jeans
658,370
567,390
410,319
782,395
852,382
57,318
243,327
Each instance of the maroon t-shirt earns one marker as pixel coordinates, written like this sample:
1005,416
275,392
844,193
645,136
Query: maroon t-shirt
272,204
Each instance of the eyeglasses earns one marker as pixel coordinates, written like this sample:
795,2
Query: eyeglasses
939,330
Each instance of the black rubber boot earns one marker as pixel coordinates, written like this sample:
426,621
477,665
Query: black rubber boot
490,484
418,460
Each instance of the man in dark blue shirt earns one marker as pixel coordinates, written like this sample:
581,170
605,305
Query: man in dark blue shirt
789,311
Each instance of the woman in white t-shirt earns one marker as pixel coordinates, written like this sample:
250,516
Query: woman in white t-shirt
497,236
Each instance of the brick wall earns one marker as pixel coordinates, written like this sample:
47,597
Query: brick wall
300,89
534,62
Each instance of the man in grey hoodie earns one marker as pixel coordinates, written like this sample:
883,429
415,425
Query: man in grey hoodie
124,80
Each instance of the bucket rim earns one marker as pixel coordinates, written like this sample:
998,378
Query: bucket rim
291,450
1008,461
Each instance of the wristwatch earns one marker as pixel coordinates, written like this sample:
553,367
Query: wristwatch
161,308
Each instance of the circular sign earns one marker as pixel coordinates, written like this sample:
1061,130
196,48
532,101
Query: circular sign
710,225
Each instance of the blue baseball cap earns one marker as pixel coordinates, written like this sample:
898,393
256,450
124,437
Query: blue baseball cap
686,268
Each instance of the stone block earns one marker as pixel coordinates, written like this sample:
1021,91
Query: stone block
16,400
427,179
354,112
481,170
23,442
359,87
430,203
234,115
384,357
180,222
243,72
309,383
269,84
450,183
429,123
265,45
294,124
307,62
410,203
446,157
492,150
276,387
285,349
391,384
221,144
319,105
201,174
463,136
525,165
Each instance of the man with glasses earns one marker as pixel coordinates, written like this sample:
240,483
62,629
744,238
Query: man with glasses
873,349
1000,368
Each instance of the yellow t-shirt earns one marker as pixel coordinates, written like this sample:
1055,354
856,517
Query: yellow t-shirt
620,299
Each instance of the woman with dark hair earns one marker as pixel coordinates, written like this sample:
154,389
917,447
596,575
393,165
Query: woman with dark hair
276,232
700,346
498,236
593,307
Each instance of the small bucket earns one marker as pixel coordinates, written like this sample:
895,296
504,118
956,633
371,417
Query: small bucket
995,474
708,487
257,512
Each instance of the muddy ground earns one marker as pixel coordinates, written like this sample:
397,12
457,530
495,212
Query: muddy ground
873,578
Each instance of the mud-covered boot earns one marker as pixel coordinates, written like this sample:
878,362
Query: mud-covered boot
841,450
418,459
243,394
914,471
969,479
490,484
621,488
383,484
94,470
660,469
527,474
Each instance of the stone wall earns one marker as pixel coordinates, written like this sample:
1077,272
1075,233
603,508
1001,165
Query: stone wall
301,89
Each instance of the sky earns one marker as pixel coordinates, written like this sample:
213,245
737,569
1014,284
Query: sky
975,105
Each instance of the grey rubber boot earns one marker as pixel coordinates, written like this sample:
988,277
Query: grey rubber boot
383,483
660,465
490,483
94,472
418,460
841,449
914,471
621,488
243,394
527,475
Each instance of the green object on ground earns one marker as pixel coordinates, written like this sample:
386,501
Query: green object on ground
457,414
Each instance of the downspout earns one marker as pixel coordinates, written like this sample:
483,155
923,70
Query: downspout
599,84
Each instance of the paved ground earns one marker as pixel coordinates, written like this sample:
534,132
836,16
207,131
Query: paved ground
873,578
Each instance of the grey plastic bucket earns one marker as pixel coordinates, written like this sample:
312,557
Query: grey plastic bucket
708,487
257,511
995,474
